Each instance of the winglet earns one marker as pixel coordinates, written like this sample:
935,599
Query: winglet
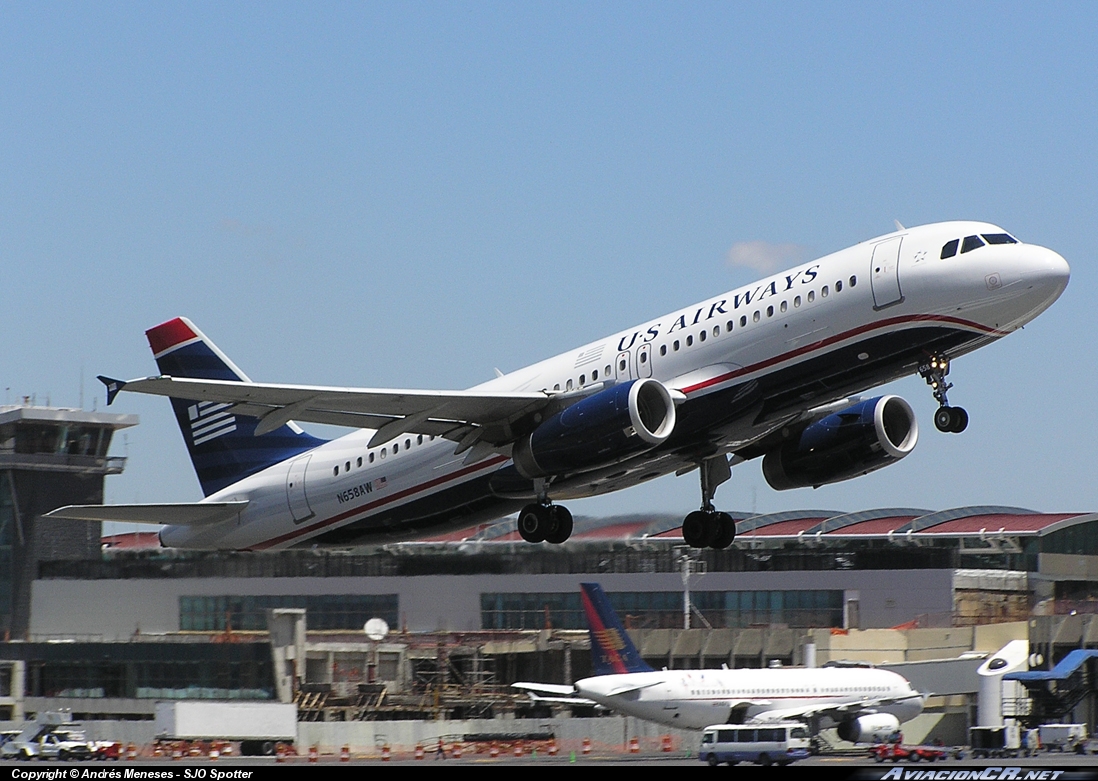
113,387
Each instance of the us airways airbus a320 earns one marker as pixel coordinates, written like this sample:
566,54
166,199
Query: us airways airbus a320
768,370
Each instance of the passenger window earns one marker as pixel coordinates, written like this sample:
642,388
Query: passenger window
568,385
839,286
583,379
396,448
853,281
999,238
743,320
663,349
594,375
796,301
556,387
675,346
335,470
689,341
702,336
756,317
770,311
823,292
607,372
949,249
728,327
347,468
785,305
407,444
371,458
359,464
716,330
419,440
811,296
971,243
384,450
644,359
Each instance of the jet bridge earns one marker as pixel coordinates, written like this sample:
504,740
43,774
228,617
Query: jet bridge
1055,693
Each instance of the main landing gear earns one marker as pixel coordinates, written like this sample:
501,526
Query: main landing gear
544,521
708,527
947,419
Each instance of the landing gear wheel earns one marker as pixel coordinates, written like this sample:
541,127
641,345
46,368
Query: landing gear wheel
561,525
533,522
697,531
952,420
726,531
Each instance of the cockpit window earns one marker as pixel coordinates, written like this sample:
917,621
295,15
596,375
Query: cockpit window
950,248
970,243
999,238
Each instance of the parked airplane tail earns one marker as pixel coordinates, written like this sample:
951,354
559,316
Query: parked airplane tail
224,447
611,649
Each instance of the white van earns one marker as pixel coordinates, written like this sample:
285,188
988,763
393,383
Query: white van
780,742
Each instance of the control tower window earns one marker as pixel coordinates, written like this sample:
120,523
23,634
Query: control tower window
999,238
950,248
971,243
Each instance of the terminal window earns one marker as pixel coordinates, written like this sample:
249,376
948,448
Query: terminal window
663,609
323,611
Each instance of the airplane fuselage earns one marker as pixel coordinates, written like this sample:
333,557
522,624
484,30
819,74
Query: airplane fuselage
694,699
740,364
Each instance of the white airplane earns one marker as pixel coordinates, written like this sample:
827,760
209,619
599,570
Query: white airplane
765,370
866,704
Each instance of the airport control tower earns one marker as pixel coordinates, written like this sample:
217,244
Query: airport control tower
49,457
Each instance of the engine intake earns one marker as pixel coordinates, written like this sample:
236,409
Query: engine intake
856,441
603,429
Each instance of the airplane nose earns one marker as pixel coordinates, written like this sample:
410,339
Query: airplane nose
1056,271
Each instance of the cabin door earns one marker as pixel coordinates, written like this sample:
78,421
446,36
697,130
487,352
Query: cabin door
884,273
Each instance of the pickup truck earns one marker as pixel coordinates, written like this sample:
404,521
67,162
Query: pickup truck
59,744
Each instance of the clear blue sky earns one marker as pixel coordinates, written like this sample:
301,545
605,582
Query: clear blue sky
410,194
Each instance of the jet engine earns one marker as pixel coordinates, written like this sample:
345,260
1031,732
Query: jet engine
605,428
872,728
850,443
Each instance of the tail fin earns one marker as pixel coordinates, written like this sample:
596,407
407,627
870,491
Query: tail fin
223,446
611,649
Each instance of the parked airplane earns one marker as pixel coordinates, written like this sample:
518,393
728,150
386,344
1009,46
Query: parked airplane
765,370
864,703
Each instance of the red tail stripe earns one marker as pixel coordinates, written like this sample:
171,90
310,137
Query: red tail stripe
597,627
167,335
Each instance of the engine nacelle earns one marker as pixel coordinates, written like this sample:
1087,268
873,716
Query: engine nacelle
872,728
851,443
603,429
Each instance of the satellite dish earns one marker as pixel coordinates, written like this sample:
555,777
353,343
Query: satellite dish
376,629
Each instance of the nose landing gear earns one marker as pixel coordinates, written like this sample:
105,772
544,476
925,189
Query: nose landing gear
947,419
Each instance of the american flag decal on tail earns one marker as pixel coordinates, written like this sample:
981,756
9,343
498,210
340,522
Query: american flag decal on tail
210,420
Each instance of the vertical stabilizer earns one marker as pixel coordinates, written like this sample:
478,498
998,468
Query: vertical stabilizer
223,446
611,649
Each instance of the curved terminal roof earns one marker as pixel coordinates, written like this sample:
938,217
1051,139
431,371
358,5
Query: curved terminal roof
891,522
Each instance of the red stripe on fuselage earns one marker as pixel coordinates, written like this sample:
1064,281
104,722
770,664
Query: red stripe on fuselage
380,502
834,340
167,335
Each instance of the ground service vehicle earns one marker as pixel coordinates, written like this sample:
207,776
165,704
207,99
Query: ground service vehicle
779,742
259,726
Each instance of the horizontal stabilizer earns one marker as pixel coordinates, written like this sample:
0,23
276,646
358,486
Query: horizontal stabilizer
545,688
189,514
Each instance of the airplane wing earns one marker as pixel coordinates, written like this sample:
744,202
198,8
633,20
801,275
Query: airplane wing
463,416
182,514
836,711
